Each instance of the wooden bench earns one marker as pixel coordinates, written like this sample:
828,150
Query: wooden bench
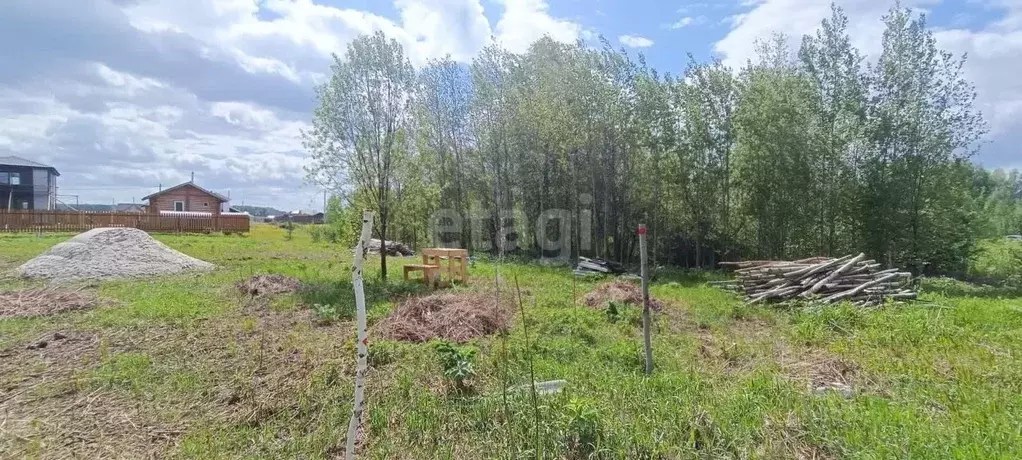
430,273
457,261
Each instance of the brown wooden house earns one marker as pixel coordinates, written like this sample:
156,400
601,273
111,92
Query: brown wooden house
186,197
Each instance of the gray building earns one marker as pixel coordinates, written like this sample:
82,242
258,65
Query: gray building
25,184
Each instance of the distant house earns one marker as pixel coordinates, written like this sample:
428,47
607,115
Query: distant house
301,217
186,197
129,207
25,184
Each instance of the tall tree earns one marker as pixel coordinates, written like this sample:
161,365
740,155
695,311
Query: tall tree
362,125
707,100
777,148
835,68
922,125
442,113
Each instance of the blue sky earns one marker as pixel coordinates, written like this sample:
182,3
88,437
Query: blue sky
125,95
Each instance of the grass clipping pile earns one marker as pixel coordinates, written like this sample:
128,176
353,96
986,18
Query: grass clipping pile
455,316
266,285
42,302
619,291
109,253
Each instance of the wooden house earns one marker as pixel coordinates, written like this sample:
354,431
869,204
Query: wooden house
186,197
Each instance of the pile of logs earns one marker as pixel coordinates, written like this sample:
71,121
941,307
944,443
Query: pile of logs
394,248
821,279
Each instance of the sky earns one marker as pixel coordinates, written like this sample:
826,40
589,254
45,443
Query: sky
123,96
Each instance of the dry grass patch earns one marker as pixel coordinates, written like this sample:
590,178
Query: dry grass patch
619,291
51,408
266,285
42,302
455,316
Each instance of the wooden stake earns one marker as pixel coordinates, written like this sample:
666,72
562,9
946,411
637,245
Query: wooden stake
363,339
646,340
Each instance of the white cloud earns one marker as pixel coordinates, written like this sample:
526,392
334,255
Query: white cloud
124,95
682,23
687,21
525,21
635,41
795,18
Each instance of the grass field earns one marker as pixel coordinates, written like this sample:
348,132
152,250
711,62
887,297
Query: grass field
188,367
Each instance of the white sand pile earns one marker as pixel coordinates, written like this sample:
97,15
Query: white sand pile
108,253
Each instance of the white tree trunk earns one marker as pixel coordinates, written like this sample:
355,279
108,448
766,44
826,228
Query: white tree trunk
363,340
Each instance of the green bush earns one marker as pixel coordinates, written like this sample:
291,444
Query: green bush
316,233
998,260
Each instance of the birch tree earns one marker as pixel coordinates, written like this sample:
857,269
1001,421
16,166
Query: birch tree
362,126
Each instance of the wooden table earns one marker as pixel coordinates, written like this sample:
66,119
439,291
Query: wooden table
433,256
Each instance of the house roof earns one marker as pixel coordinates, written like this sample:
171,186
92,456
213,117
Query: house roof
188,184
127,207
18,161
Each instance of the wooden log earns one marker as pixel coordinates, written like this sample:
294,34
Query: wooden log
817,268
859,289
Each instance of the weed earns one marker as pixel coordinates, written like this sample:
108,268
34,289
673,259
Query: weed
583,427
456,362
325,314
383,352
614,311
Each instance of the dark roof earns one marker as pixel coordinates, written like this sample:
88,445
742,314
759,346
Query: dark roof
18,161
127,207
186,184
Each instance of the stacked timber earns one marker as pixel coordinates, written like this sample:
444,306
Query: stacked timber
394,248
588,266
821,279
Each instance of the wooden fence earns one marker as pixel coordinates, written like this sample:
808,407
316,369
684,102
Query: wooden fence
80,221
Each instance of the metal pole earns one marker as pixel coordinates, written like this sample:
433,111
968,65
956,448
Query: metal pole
647,342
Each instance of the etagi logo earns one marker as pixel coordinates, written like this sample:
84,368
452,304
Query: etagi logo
553,229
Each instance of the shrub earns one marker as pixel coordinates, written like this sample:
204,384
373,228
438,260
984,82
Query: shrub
316,233
998,261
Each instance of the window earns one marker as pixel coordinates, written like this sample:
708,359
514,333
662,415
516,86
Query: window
205,205
179,205
10,178
24,205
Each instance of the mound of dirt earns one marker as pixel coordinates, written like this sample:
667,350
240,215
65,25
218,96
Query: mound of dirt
453,316
619,291
264,285
42,302
109,253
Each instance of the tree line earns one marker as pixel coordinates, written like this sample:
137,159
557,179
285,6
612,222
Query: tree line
818,151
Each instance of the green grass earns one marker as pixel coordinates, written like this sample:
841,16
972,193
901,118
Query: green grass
225,377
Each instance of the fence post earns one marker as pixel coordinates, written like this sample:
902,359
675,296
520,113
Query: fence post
363,339
646,340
